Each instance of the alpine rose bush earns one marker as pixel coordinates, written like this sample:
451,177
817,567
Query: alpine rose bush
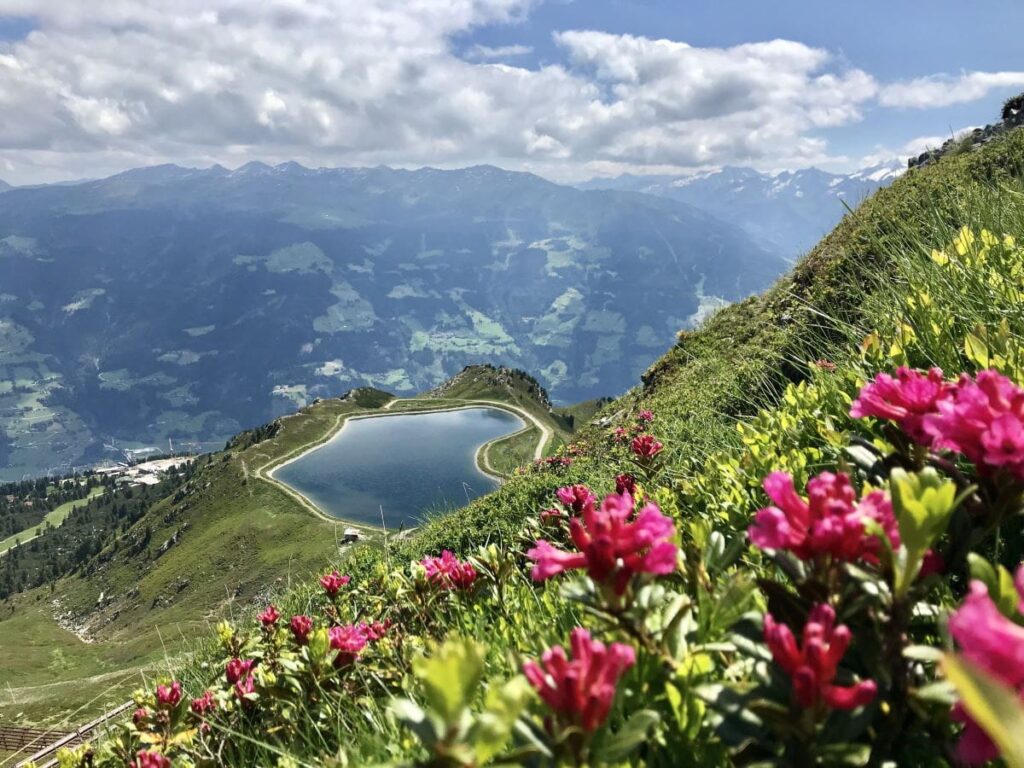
614,542
831,522
812,665
580,687
447,572
905,399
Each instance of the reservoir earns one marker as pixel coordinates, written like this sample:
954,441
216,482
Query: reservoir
406,465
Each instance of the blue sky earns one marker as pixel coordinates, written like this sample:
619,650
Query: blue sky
891,40
566,88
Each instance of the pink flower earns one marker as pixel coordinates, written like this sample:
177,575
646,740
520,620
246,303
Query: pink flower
551,515
270,616
140,716
619,434
646,447
983,420
645,417
831,522
301,626
375,630
905,399
203,704
812,666
348,641
236,669
581,690
577,498
447,572
933,563
147,759
613,543
168,696
244,688
333,582
825,365
995,644
625,484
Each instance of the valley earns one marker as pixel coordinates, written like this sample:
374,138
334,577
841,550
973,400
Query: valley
185,305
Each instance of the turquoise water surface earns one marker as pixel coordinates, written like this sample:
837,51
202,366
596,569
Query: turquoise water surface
405,465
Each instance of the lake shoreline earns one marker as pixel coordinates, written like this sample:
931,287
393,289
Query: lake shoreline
268,472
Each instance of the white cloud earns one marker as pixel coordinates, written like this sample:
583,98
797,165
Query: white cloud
945,90
487,53
98,87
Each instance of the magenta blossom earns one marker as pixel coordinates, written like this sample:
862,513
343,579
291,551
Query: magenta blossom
168,696
301,626
270,616
203,704
831,522
236,669
551,516
983,420
580,690
244,688
375,630
149,759
625,483
614,543
140,716
333,582
995,644
348,641
646,447
447,572
645,417
906,399
577,498
812,665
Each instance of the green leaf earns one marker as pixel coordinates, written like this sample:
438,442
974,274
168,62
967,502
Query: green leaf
923,504
977,348
450,675
494,726
629,737
995,707
999,582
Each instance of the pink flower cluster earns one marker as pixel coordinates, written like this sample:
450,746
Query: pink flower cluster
813,664
333,582
613,543
996,644
645,447
447,572
348,641
906,399
576,498
150,759
830,522
301,626
168,696
270,616
981,417
580,690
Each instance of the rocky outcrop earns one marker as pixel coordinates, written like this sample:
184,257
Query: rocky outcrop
1012,117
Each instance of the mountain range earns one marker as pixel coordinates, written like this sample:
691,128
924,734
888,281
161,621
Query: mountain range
786,212
180,303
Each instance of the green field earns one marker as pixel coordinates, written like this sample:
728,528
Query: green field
53,518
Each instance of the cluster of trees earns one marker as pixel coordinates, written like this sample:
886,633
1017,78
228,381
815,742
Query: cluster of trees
24,504
101,525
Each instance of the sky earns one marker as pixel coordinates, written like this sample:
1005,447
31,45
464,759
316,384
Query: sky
569,89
